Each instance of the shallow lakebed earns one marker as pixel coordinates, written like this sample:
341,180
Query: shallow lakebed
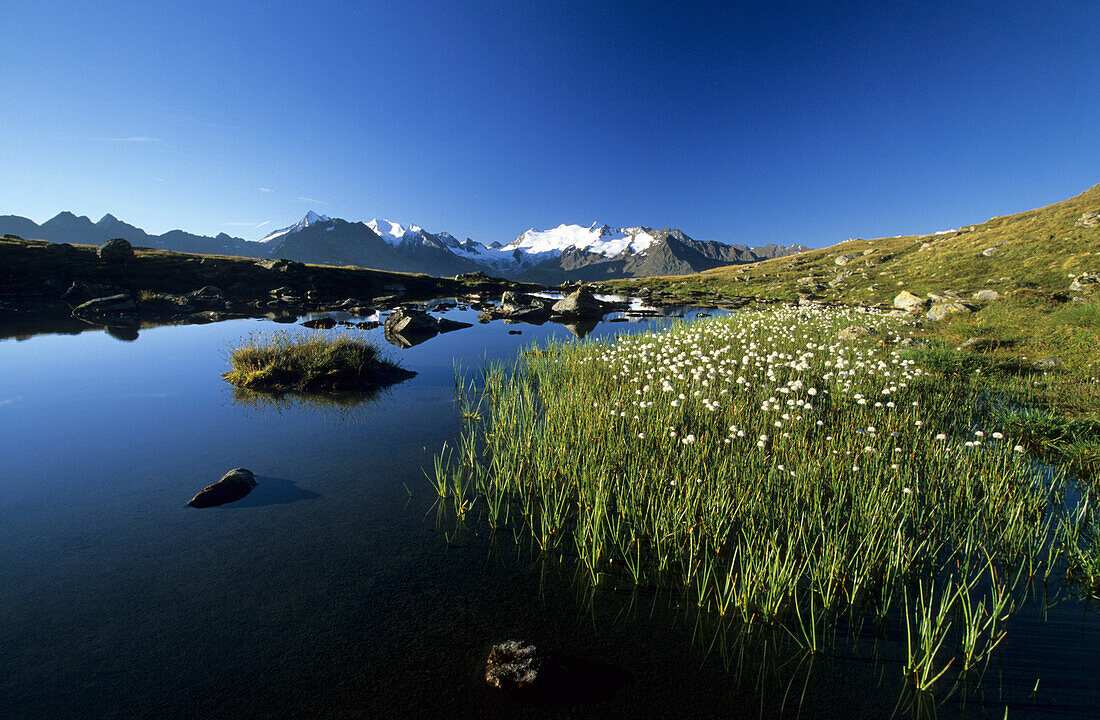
331,590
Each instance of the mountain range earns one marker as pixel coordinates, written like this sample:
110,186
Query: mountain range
567,252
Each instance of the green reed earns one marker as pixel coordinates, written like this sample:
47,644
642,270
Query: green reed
774,475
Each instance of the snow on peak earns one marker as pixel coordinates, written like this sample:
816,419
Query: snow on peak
310,219
604,240
394,233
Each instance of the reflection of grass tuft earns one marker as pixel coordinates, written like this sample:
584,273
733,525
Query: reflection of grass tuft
297,362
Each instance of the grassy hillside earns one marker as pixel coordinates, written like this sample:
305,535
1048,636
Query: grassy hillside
1030,259
1035,249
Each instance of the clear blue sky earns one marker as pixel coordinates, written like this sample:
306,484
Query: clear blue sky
740,122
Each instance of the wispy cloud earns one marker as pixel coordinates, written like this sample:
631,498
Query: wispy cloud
266,190
254,225
132,139
313,200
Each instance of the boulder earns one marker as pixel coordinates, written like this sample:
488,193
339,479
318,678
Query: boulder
324,323
281,265
1086,282
406,321
841,277
908,301
989,251
512,666
911,344
855,331
116,252
81,292
234,485
113,307
1089,219
942,310
845,259
986,295
579,303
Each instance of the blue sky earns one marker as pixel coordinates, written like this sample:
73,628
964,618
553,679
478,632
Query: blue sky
739,122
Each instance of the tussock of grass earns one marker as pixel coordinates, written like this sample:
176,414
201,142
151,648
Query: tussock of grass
285,361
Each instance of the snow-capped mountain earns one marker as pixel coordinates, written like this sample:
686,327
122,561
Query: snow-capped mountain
566,252
311,218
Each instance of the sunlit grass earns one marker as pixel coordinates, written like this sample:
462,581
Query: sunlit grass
293,361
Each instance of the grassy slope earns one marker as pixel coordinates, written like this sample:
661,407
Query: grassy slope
1036,252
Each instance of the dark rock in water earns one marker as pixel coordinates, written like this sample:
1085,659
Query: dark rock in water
619,319
325,323
81,292
114,307
580,304
447,325
234,485
117,251
367,324
515,332
478,275
513,665
405,321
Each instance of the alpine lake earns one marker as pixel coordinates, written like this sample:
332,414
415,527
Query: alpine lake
340,587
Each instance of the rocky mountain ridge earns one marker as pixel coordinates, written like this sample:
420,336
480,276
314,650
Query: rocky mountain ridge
565,253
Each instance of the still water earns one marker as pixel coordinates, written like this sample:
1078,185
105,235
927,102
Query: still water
333,590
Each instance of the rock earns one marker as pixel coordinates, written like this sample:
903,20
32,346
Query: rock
911,344
1089,219
406,321
116,252
855,331
841,277
941,310
845,259
908,301
515,332
926,246
81,292
113,307
580,303
977,344
512,666
1048,363
325,323
281,265
367,325
445,325
234,485
1086,282
986,295
990,251
472,276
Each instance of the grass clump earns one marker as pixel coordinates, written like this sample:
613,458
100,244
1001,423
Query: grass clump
298,362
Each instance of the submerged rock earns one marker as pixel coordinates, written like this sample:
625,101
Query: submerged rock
234,485
513,665
115,307
325,323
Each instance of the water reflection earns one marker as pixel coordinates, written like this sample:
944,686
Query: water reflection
271,491
348,404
